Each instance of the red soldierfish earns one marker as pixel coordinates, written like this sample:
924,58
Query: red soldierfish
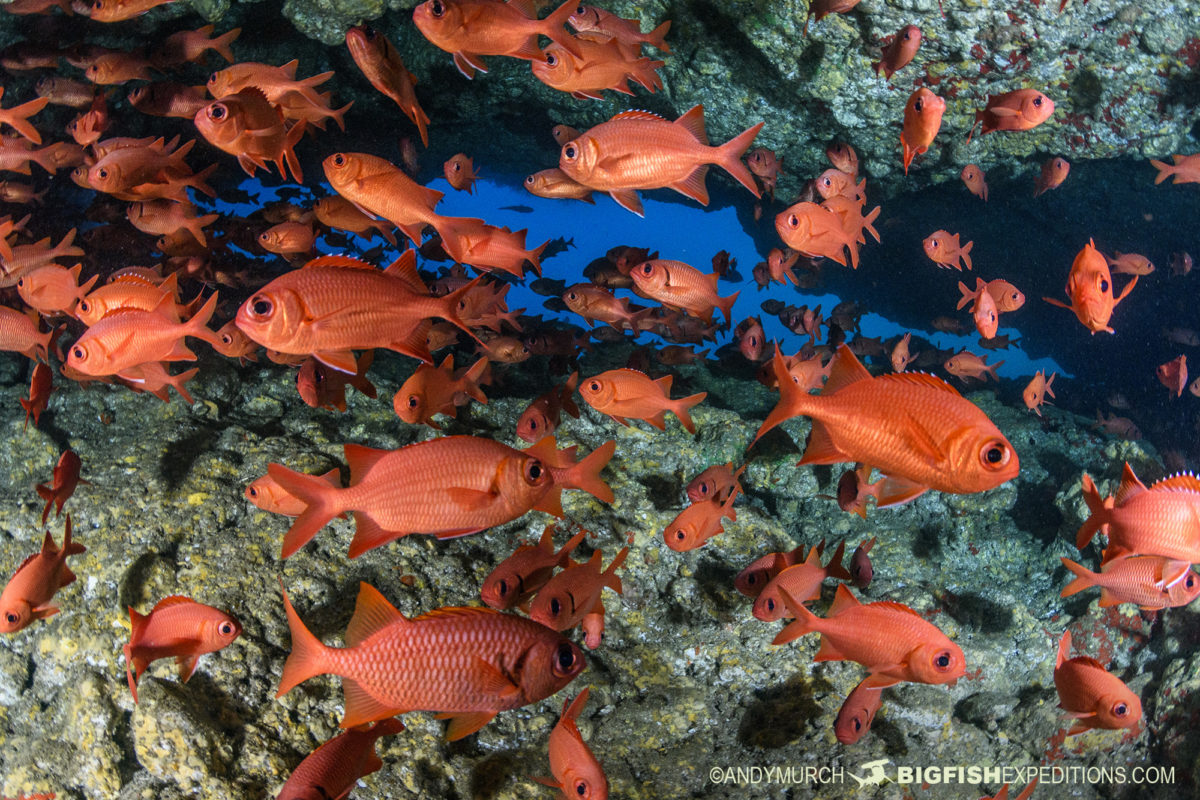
60,489
571,594
1092,695
180,627
922,120
468,663
899,52
381,64
891,640
28,593
334,768
576,771
1089,286
1162,520
517,578
1013,111
857,713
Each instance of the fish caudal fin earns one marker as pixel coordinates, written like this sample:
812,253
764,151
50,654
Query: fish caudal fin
320,505
553,27
791,398
1084,578
682,406
657,37
729,158
1164,171
1100,513
805,621
307,659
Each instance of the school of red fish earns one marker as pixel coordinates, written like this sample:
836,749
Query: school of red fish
912,431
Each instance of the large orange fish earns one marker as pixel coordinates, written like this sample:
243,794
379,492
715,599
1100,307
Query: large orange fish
467,663
53,289
27,595
129,337
576,771
682,286
891,640
914,428
335,305
469,29
378,60
452,486
603,65
628,393
517,578
922,120
1092,695
335,768
1089,286
640,150
1151,582
176,626
816,231
1013,111
1162,520
248,126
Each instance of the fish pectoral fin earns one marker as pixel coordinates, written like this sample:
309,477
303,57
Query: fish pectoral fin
187,665
465,724
471,499
468,64
42,612
879,680
362,707
628,199
1079,714
894,491
544,781
1001,111
924,443
341,360
494,681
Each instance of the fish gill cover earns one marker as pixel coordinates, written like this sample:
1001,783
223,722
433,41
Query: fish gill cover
653,589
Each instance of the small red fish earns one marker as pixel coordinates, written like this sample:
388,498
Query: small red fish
266,493
922,120
802,581
1173,375
332,770
944,250
758,573
571,594
376,56
627,393
1092,695
699,522
1013,111
460,173
1054,172
517,578
40,387
861,569
60,489
541,417
1130,264
27,595
1008,297
901,357
899,52
1186,169
1151,582
984,311
968,365
1036,390
576,771
1089,287
714,483
857,713
440,390
842,156
177,626
975,181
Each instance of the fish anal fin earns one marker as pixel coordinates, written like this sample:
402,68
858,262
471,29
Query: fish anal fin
828,651
821,449
629,200
693,185
362,707
462,725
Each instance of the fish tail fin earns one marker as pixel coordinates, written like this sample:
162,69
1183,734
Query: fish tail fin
657,37
609,578
587,472
834,568
222,42
1164,171
288,156
966,254
339,114
968,295
535,256
682,407
307,659
564,555
805,621
177,382
553,28
473,377
729,158
18,118
198,325
726,306
320,505
1099,516
1084,578
791,398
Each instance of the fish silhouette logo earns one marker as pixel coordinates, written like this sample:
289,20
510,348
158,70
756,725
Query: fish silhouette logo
875,774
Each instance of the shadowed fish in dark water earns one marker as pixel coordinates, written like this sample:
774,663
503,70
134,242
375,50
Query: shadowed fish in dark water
518,209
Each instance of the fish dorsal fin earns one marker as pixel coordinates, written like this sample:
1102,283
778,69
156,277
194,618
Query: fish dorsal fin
664,383
1184,481
693,123
844,600
465,612
814,557
892,605
1130,486
404,269
1088,661
339,261
921,379
845,370
360,459
372,613
173,600
638,114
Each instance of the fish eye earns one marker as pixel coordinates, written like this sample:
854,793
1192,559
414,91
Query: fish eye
1191,581
12,618
250,490
84,306
79,353
680,535
569,151
581,788
594,386
1120,710
436,8
942,660
217,112
647,268
212,78
534,472
369,32
533,426
857,722
1037,101
564,659
995,454
907,36
793,220
339,160
102,174
555,606
1103,285
580,11
261,306
933,242
226,338
502,587
226,628
551,59
529,180
413,401
752,578
771,604
570,295
20,282
917,106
